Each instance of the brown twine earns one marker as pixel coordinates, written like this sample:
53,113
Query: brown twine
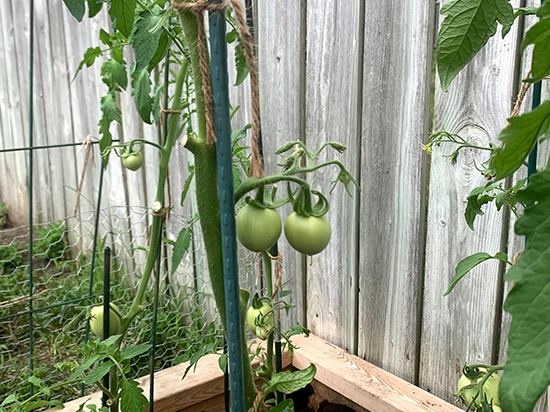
278,271
17,301
257,401
165,211
199,6
87,143
167,111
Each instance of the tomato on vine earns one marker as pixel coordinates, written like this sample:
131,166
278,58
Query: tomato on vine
258,228
96,320
259,317
468,389
132,160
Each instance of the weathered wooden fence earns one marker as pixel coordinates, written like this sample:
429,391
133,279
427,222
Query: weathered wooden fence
357,72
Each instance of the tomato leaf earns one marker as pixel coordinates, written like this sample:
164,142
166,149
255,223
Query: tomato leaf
470,262
145,43
163,46
98,373
180,248
123,13
77,8
131,397
110,109
141,85
187,184
134,351
106,138
539,35
240,63
88,59
468,25
519,137
289,382
113,72
222,362
527,371
94,7
85,365
286,406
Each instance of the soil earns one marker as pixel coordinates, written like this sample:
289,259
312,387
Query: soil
306,400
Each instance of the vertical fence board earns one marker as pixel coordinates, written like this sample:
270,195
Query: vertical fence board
458,328
332,106
280,48
397,61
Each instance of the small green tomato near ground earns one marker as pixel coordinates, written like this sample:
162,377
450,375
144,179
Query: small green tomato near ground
490,391
307,234
133,161
260,321
96,321
258,229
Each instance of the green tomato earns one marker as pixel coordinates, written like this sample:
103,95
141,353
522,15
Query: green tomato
96,321
258,229
260,321
307,234
133,161
490,390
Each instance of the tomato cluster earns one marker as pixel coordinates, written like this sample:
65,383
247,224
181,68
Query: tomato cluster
469,391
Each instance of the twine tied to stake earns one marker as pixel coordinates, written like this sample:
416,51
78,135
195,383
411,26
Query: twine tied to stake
87,144
199,7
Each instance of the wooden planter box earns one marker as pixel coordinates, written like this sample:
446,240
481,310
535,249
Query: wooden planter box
341,378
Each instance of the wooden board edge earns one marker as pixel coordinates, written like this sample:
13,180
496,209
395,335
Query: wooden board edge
361,382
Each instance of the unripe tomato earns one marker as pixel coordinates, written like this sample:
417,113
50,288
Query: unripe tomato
490,390
96,321
307,234
260,321
258,229
133,162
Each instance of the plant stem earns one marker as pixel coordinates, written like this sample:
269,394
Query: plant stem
269,280
253,183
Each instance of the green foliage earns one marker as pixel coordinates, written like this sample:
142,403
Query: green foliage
527,373
123,13
181,247
468,25
10,257
4,214
141,85
539,35
146,39
51,243
77,8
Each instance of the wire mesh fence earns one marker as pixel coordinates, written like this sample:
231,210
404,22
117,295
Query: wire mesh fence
64,288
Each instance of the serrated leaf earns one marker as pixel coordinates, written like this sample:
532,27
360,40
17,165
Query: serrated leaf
470,262
163,47
240,64
519,137
35,380
98,373
83,367
467,27
88,59
527,371
110,109
181,247
12,397
290,382
539,35
286,406
141,89
106,138
110,341
123,13
114,72
131,397
77,8
145,43
29,406
94,7
134,351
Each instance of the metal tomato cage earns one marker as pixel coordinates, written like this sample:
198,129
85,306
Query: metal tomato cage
220,85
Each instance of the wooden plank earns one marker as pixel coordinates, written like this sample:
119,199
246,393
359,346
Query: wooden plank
459,328
396,69
281,48
361,382
334,57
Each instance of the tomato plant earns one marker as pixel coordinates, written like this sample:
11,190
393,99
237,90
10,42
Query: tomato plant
469,389
96,320
307,234
132,161
258,228
260,319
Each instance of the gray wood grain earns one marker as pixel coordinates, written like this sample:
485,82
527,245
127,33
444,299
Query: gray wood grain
280,48
458,328
334,57
396,69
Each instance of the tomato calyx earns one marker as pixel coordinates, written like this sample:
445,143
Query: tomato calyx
303,205
478,387
259,317
265,199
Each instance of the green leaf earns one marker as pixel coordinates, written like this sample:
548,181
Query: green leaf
519,138
470,262
109,342
98,373
12,397
539,35
123,13
77,8
286,406
527,371
187,184
94,7
145,43
131,397
141,85
85,365
35,380
113,72
134,351
37,404
468,25
110,109
89,58
163,47
544,10
222,362
180,248
106,138
240,64
290,382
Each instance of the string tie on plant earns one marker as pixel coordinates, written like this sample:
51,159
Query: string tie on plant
164,112
86,144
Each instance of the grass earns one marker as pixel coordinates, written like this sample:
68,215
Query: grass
59,331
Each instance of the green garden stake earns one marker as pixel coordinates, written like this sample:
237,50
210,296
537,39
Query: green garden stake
106,310
224,155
